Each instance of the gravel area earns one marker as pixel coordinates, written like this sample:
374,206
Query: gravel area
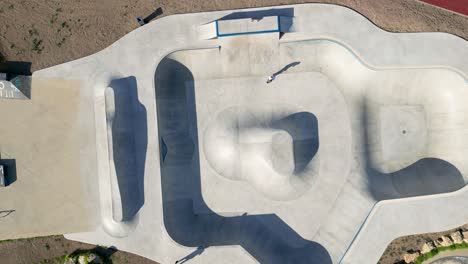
37,250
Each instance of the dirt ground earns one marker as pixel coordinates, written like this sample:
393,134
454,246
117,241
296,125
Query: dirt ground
50,32
399,246
35,250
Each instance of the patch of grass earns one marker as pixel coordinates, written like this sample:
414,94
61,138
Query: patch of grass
37,45
33,32
60,43
54,18
436,251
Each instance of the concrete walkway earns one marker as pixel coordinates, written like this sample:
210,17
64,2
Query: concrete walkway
446,254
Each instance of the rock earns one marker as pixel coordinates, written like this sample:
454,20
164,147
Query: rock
410,257
69,261
94,259
444,241
457,237
465,236
428,247
82,259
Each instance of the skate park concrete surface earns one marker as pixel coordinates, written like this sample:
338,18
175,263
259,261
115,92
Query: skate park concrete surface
360,139
43,141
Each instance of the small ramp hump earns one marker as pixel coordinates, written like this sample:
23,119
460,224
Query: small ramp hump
207,31
245,26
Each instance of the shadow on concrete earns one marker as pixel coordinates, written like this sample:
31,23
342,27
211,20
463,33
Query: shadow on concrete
9,167
303,129
426,176
259,14
6,213
285,68
23,83
129,140
153,15
187,218
190,256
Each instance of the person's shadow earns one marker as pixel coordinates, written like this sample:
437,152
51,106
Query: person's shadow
190,256
285,68
6,213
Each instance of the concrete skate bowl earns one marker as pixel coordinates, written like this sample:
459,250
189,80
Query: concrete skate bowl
412,120
416,139
187,219
271,147
122,137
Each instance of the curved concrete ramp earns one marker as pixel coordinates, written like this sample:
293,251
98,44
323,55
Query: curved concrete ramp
269,146
425,177
120,155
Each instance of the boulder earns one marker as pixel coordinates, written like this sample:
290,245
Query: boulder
94,259
465,236
457,237
82,260
428,247
410,257
444,241
69,261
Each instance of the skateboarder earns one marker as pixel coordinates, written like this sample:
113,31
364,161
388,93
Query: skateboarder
271,78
